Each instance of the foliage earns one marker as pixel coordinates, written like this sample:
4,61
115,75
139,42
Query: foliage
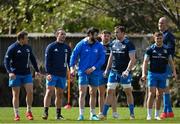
77,15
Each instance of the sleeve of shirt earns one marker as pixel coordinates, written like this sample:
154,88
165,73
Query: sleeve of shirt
101,59
171,43
7,59
75,54
147,53
33,61
48,59
131,47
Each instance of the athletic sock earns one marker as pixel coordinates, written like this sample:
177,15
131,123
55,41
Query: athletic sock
46,110
92,112
149,112
168,98
58,112
81,111
131,109
156,113
16,111
28,108
105,109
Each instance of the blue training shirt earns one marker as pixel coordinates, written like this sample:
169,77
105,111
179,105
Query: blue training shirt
17,59
169,40
107,50
120,54
57,57
89,55
158,57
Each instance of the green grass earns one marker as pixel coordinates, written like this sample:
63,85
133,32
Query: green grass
6,116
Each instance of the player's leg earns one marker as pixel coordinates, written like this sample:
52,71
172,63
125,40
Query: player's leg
15,85
83,83
28,85
92,102
126,84
150,101
59,89
130,100
101,97
47,98
115,114
29,100
94,81
15,102
167,112
111,88
159,94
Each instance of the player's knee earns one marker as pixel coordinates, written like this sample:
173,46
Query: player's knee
92,93
82,94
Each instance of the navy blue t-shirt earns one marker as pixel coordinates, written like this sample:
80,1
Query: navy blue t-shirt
158,57
120,53
57,57
17,59
107,50
169,40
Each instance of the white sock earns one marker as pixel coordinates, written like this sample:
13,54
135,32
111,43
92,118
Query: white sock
28,108
16,111
92,112
149,112
156,113
81,111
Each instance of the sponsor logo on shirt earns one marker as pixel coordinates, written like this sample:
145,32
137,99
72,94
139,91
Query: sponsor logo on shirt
56,50
19,51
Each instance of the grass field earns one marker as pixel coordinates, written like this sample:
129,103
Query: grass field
6,116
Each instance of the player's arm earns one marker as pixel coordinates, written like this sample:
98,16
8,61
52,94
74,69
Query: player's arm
100,61
144,67
172,66
132,61
33,61
109,65
7,59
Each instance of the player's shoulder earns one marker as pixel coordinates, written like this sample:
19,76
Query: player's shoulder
13,46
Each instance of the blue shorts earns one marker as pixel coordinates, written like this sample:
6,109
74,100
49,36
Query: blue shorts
57,81
20,80
157,80
114,77
102,80
91,79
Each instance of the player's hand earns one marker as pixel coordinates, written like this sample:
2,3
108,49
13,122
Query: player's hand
125,73
38,74
49,77
12,76
105,74
89,70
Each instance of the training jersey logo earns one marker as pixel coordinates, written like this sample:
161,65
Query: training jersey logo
86,50
27,50
165,51
19,51
95,50
154,51
56,50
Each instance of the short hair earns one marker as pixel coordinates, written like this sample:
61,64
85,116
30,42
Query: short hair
21,34
121,28
157,34
106,32
57,30
92,30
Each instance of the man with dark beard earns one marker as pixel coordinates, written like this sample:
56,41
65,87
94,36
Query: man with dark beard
90,53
